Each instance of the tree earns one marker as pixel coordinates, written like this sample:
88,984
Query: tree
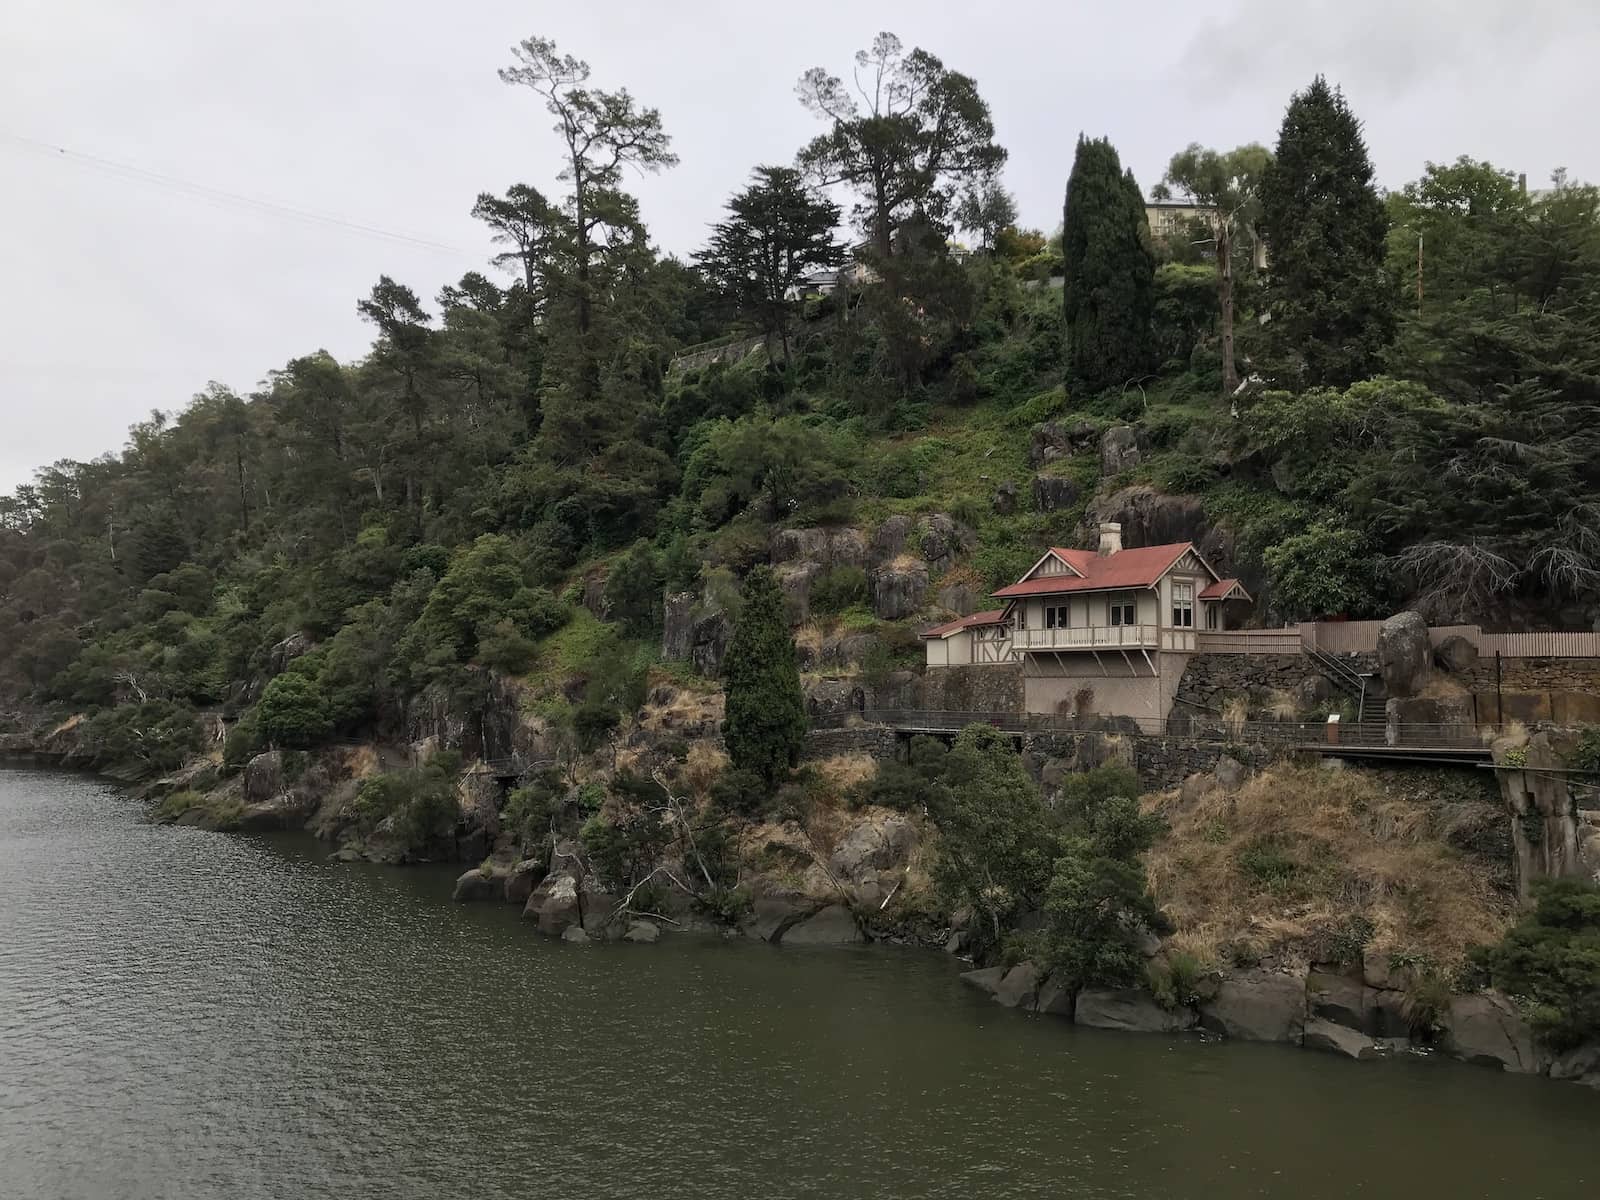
766,719
529,226
1552,957
1109,291
985,209
909,136
1325,571
1228,186
1096,905
601,132
293,711
996,837
1331,298
778,232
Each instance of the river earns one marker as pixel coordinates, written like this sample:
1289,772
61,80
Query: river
189,1014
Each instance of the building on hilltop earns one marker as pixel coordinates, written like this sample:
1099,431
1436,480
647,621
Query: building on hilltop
1176,218
1104,631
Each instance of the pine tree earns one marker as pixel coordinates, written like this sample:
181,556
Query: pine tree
1331,298
766,720
1110,272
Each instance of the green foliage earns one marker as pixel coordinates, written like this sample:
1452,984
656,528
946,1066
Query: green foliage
1325,571
1551,958
531,808
420,806
483,593
633,591
1585,756
1108,296
1331,297
1177,980
138,740
837,589
785,468
1267,865
292,712
765,723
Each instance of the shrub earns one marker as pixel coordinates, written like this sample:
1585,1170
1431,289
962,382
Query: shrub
136,740
1177,981
292,711
1586,755
1552,958
1265,864
838,588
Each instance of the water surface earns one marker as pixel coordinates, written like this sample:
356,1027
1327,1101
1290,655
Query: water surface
188,1014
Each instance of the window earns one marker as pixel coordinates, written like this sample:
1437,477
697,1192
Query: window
1057,616
1211,615
1124,609
1183,605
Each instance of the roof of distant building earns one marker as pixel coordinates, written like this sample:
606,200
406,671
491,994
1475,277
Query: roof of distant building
991,617
1136,568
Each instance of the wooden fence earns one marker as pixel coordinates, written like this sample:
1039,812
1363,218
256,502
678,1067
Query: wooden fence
1361,637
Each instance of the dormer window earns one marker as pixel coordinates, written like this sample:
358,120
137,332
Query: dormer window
1182,605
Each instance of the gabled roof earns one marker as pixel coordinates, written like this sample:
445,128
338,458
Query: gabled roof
1141,567
1225,589
992,617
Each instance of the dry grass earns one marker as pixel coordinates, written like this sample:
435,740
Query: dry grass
701,768
843,772
1235,712
361,761
809,636
1285,865
1281,705
673,708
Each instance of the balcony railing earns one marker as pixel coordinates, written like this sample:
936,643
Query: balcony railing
1089,637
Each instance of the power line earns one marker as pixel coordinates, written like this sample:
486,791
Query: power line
128,171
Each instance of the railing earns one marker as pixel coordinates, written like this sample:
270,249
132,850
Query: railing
1361,637
1089,637
1201,727
1248,641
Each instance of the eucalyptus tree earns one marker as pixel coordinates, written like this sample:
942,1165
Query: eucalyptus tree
1227,187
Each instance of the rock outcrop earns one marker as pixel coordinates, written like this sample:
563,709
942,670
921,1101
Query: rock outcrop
1119,450
1133,1010
1258,1006
1053,492
834,925
1061,439
1487,1029
1404,654
899,588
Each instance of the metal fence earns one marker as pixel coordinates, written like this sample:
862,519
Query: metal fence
1199,727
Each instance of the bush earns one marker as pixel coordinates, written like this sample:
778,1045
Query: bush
292,712
137,740
1586,755
1552,958
1266,865
837,588
422,803
1178,981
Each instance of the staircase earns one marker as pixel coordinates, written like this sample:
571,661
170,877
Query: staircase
1361,687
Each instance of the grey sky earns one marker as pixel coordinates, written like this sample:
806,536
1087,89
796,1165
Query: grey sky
120,296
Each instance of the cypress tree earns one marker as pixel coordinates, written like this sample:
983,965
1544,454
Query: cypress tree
1330,295
766,719
1109,291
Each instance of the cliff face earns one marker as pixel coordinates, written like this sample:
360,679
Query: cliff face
1551,837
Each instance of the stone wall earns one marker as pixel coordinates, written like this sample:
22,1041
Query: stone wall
876,741
988,687
1211,679
1563,690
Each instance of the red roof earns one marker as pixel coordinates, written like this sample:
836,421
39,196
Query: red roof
1141,567
992,617
1221,588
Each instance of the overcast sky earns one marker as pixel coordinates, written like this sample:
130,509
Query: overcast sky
121,295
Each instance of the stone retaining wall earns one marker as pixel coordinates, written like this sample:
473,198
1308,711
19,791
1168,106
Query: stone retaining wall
1209,680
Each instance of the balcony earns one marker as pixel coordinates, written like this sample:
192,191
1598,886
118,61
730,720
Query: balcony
1089,637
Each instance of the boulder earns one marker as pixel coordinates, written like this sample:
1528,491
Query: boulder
889,539
786,545
597,907
1059,439
574,933
959,598
1195,787
847,649
834,925
1456,654
1581,1065
1055,998
709,636
1257,1006
881,842
771,916
1338,1039
554,904
1052,492
1133,1010
642,931
285,652
1338,1000
944,539
1486,1029
677,626
1230,773
1386,1013
1119,450
594,594
1004,500
1404,654
986,979
286,810
524,877
847,547
956,943
263,777
475,885
794,580
833,698
899,590
1019,987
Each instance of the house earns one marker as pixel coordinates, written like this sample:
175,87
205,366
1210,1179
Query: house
1104,631
1175,218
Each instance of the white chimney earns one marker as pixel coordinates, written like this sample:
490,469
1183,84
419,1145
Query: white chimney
1110,538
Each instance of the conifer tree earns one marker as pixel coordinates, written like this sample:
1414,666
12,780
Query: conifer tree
766,719
1331,298
1110,272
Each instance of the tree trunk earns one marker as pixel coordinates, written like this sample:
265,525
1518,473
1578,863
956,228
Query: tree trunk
1230,373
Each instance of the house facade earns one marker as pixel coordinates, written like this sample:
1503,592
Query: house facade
1105,631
